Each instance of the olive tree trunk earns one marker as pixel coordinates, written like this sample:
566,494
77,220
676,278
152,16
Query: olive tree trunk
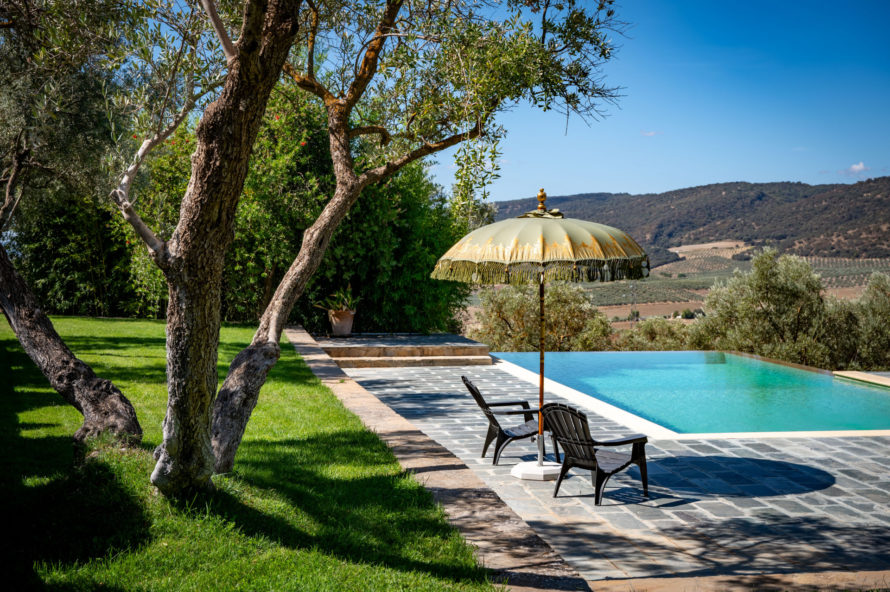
104,407
248,371
193,259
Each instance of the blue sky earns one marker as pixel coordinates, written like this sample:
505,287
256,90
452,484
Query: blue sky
717,91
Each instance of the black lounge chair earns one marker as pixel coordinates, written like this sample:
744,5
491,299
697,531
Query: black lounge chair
569,429
495,431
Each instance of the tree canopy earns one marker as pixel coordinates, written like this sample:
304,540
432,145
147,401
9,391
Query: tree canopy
398,81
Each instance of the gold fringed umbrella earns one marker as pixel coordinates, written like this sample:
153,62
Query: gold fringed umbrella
542,246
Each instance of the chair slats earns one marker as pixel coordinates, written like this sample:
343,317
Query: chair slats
570,431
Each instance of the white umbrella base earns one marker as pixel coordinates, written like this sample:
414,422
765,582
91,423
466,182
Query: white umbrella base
531,470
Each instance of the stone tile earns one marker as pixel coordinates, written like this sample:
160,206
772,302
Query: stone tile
746,502
763,502
720,509
790,506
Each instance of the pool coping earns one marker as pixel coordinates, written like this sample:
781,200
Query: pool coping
654,430
872,379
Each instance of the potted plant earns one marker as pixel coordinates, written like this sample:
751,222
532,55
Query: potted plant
341,311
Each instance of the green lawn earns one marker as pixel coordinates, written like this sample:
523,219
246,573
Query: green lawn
316,502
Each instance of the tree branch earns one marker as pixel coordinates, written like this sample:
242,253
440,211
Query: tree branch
310,44
169,88
365,130
224,40
372,55
121,193
310,84
11,200
376,174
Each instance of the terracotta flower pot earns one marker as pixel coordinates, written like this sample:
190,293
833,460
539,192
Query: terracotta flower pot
341,322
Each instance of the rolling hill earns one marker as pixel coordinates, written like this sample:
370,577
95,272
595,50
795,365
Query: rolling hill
811,220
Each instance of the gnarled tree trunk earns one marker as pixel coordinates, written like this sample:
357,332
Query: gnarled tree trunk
193,258
248,371
104,407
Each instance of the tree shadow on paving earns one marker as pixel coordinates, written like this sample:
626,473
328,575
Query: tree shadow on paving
367,519
431,404
681,480
51,509
737,548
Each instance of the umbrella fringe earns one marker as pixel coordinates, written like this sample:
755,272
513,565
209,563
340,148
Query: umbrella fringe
591,270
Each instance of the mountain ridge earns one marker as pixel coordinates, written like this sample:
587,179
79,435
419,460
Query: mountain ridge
831,220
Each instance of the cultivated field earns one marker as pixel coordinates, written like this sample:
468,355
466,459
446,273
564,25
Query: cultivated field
684,284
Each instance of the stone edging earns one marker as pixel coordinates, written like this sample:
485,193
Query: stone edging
504,543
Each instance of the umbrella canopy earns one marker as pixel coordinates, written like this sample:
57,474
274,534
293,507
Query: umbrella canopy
542,246
520,249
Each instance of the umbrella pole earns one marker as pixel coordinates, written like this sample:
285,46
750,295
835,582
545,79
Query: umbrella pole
541,377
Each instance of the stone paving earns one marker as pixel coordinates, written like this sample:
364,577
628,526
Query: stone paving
718,507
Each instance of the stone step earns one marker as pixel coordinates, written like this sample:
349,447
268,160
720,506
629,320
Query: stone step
410,361
403,351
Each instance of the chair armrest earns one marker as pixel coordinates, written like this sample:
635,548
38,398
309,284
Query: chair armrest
505,403
632,439
524,411
517,412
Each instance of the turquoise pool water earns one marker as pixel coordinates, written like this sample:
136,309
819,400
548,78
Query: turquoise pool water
712,392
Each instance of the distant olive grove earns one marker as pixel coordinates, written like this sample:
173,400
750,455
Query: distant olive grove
778,309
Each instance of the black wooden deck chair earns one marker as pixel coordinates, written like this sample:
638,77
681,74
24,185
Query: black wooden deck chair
496,433
569,429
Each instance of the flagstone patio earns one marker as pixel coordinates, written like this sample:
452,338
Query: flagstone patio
777,513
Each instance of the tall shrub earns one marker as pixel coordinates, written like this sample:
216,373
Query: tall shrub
778,310
874,323
654,335
69,248
384,249
510,319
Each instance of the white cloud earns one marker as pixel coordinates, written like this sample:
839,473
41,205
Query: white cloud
649,134
854,170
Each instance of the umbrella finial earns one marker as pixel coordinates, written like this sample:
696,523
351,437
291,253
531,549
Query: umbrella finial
542,197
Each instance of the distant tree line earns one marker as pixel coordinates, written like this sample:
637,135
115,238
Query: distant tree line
778,310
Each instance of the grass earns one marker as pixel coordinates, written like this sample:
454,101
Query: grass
316,502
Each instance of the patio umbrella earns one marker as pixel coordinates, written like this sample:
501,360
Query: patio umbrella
541,246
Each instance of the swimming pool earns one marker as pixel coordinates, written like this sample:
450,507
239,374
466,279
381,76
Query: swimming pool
716,392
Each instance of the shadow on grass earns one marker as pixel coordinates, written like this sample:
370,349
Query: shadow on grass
64,514
137,359
122,359
52,510
375,520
